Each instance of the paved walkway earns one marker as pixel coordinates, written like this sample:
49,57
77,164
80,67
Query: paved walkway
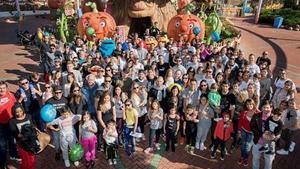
283,45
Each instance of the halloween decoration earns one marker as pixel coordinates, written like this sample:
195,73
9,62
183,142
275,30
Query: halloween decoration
107,47
55,4
185,26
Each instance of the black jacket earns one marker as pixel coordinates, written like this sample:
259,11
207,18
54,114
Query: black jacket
256,125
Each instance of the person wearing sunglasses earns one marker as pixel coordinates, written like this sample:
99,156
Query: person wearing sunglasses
130,116
59,102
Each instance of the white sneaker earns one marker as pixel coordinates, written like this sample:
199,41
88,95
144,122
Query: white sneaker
157,146
292,146
282,152
202,147
197,146
67,163
115,161
147,151
110,162
76,163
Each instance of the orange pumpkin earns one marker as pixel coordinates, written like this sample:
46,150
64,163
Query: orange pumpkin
184,26
99,24
55,4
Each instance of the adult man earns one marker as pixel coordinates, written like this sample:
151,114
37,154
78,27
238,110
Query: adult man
70,69
89,90
257,127
142,79
7,101
179,66
158,91
162,66
59,102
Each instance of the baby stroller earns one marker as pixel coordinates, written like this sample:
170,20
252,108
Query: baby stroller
25,38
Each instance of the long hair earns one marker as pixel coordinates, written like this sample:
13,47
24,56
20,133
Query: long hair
75,98
15,107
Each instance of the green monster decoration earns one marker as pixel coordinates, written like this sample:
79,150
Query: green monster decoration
93,6
213,24
66,22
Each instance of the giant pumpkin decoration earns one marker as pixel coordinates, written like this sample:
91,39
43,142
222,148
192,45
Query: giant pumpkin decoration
186,26
99,24
55,4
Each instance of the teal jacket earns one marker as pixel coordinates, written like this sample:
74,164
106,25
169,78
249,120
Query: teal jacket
214,99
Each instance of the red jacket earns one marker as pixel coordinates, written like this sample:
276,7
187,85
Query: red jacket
221,132
6,103
244,123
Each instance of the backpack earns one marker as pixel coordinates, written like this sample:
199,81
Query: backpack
29,142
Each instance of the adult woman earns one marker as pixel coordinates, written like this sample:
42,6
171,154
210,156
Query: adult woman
285,93
219,78
199,73
138,104
203,87
67,86
252,94
57,79
106,112
244,130
191,72
16,125
118,99
169,77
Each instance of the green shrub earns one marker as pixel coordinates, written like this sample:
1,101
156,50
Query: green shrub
290,17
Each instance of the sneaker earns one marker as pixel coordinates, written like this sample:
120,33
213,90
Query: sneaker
241,161
92,163
213,155
88,164
292,146
110,162
76,163
114,161
202,147
157,146
67,163
245,163
282,152
18,159
197,146
212,148
269,152
187,148
222,158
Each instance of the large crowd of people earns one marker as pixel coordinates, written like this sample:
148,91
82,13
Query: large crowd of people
202,96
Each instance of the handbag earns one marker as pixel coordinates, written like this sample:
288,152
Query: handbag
44,140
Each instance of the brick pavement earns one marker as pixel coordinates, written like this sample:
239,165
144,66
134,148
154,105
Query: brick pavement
283,45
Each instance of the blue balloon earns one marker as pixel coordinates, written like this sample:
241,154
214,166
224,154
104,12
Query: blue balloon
196,30
48,113
215,36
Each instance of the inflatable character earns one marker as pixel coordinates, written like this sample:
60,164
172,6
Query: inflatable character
186,26
151,42
55,4
213,27
98,24
107,47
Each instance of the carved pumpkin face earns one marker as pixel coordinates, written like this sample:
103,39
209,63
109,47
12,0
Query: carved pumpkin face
186,27
55,4
99,24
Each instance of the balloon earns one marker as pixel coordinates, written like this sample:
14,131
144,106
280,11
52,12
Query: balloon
196,30
90,31
76,152
48,113
40,35
215,36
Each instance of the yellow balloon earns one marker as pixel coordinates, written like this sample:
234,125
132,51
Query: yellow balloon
40,35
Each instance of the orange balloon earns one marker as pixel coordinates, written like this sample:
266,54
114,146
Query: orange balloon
55,4
102,23
182,25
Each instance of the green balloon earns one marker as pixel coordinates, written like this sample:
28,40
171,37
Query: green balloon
76,153
90,31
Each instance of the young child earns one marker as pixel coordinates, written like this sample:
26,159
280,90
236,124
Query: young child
156,116
110,136
190,128
88,139
205,114
67,132
214,98
171,127
272,133
222,133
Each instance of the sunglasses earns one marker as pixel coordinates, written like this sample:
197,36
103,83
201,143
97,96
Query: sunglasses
24,83
108,81
209,71
75,90
203,85
127,105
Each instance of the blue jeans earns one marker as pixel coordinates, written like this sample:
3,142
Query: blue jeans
269,158
152,137
129,140
6,140
247,142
